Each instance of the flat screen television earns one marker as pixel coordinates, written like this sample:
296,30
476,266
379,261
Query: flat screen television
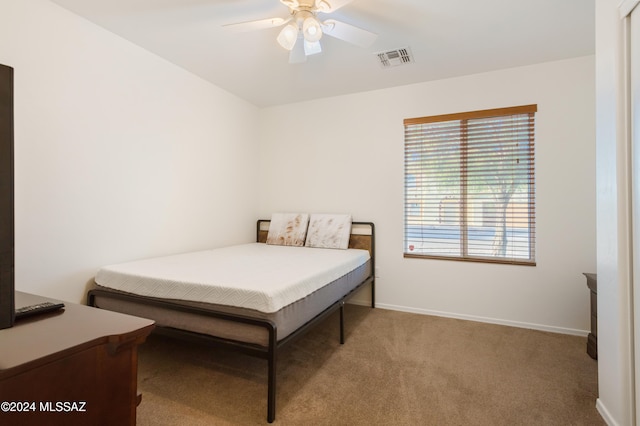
7,239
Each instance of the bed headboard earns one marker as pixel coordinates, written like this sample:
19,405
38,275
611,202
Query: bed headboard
362,235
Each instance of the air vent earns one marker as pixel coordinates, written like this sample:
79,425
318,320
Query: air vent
393,58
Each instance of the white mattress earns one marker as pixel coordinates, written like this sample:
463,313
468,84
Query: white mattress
254,276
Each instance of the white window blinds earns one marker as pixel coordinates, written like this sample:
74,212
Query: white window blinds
470,187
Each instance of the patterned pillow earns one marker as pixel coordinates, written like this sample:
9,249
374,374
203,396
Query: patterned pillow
288,229
329,231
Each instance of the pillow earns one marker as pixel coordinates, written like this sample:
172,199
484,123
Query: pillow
329,231
288,229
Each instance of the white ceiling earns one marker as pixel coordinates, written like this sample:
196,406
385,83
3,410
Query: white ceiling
447,38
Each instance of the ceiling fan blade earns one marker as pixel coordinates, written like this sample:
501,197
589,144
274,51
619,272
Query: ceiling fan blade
260,24
297,54
348,33
312,47
292,4
328,6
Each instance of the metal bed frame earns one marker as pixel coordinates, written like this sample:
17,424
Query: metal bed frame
362,241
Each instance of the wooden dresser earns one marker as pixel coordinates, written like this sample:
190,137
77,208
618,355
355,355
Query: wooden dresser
77,366
592,339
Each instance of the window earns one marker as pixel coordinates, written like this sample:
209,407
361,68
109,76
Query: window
469,191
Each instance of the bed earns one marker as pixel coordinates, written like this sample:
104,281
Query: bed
294,281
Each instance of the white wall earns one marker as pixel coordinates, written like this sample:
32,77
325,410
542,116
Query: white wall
118,154
345,154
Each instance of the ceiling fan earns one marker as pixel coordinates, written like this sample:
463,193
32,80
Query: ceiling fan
302,30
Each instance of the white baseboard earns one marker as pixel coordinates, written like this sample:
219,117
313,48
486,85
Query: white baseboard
606,416
560,330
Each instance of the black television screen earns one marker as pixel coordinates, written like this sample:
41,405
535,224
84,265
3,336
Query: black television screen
7,285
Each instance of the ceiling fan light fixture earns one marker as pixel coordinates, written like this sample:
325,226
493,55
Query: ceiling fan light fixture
301,32
311,29
288,35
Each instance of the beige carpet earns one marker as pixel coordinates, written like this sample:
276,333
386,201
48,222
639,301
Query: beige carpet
394,369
